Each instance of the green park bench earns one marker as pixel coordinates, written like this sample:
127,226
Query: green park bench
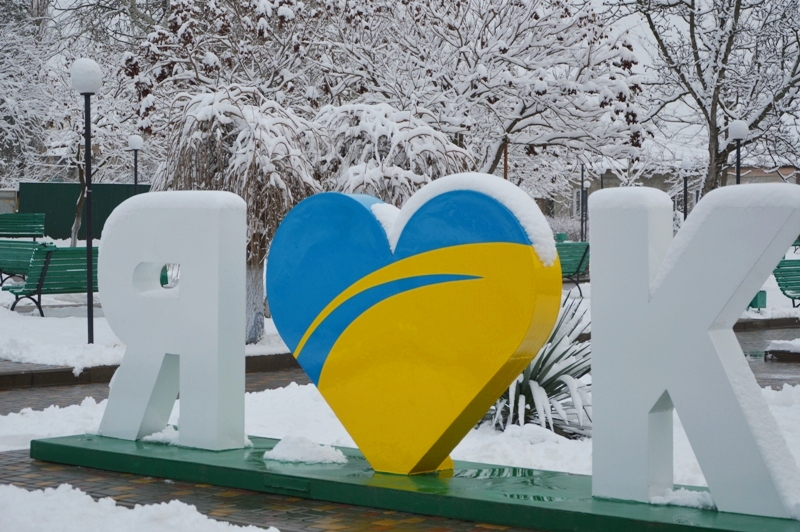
22,225
574,257
54,270
15,258
787,274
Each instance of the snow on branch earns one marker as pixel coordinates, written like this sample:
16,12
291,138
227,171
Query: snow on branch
236,140
376,149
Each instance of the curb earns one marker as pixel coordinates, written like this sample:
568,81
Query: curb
782,356
760,325
63,376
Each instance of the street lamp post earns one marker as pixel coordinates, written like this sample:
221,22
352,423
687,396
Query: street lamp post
582,205
738,131
135,144
585,202
685,166
86,80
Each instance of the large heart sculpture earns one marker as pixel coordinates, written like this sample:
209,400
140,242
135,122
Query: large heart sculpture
412,322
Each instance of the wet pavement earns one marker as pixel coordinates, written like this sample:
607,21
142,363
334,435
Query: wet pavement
289,514
241,507
768,372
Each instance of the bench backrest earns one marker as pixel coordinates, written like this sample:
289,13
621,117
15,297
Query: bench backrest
574,257
787,275
787,269
65,273
15,255
22,225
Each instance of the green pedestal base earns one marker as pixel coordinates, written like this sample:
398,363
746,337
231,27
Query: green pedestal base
543,500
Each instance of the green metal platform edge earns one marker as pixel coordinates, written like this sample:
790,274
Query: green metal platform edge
542,500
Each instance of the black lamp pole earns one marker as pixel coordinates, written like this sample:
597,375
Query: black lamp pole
87,135
583,207
685,191
135,171
738,161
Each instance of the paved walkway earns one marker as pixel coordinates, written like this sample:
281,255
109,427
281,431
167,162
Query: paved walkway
289,514
249,508
241,507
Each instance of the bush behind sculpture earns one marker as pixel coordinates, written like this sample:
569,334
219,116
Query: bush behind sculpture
549,391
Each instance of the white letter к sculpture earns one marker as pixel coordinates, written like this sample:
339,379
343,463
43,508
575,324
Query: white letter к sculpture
662,318
192,334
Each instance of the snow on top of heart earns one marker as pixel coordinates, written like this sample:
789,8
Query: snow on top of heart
522,206
386,213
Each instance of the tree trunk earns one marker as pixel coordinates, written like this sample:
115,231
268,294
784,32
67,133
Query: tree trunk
254,316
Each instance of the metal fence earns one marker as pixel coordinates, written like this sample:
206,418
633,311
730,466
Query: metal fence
58,202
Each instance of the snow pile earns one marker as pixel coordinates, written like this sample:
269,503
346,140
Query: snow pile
684,497
17,430
57,341
293,411
300,449
512,197
61,341
79,357
168,436
787,396
793,346
528,446
68,509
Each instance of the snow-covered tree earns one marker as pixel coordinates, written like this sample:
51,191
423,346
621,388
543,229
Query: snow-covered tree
378,150
717,61
532,75
41,116
235,139
23,100
204,45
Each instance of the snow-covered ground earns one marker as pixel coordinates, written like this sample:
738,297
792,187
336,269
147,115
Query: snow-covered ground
58,341
59,338
68,509
300,411
778,305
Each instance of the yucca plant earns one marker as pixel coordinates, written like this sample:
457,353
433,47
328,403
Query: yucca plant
548,391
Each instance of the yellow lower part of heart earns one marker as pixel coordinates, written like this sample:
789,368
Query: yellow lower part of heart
414,373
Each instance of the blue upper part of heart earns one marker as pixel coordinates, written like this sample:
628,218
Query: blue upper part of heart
329,241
